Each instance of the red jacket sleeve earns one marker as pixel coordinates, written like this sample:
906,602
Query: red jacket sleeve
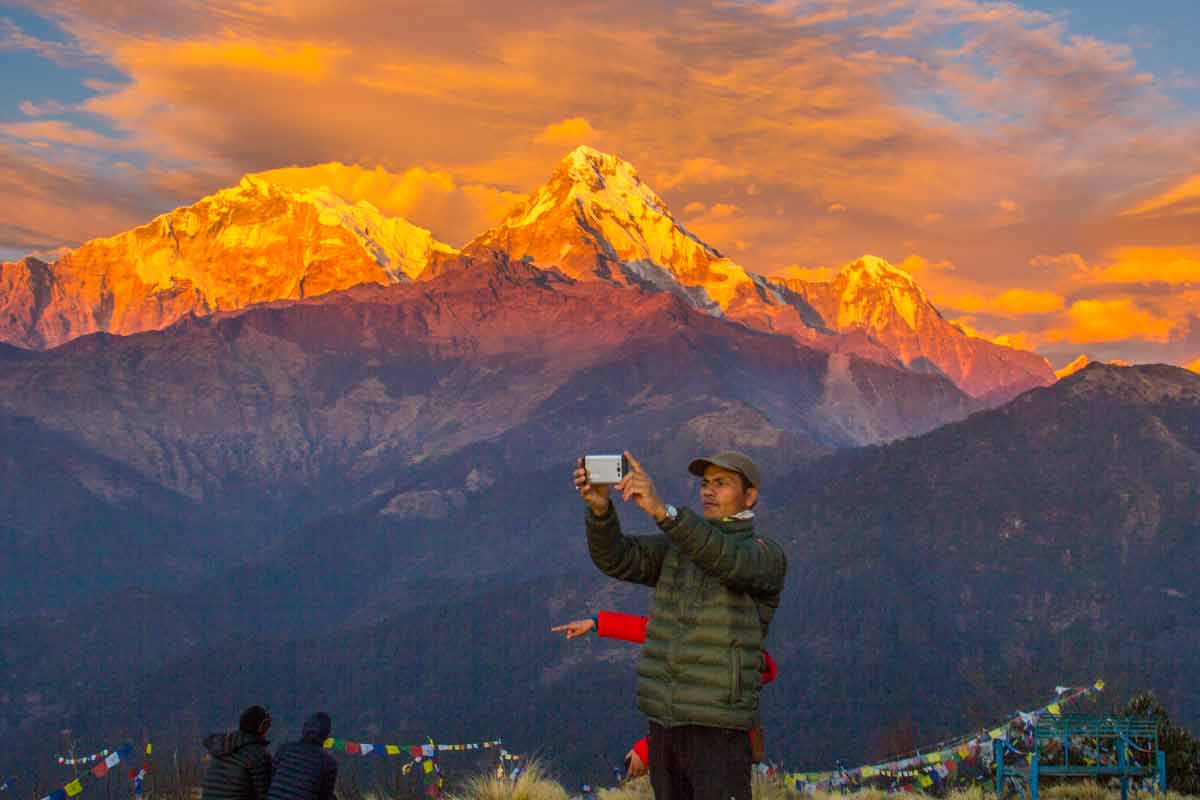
770,670
642,748
627,627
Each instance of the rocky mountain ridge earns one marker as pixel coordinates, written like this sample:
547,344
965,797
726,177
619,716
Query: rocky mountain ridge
414,399
594,220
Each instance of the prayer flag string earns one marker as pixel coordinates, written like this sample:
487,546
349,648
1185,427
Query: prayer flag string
943,758
97,772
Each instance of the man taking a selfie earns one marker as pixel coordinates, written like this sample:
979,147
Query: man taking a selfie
716,586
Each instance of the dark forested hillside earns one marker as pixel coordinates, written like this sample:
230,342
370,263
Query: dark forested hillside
935,584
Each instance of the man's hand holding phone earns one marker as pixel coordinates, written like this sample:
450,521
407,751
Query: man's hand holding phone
595,495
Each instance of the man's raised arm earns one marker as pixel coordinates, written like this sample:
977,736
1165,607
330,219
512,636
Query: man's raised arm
637,559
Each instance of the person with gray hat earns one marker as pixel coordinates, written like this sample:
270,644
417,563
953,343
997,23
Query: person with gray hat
717,584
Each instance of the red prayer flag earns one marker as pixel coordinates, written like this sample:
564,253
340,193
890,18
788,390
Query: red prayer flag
354,748
100,770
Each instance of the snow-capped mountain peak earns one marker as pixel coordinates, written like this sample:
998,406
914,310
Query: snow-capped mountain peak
596,219
253,242
399,247
871,289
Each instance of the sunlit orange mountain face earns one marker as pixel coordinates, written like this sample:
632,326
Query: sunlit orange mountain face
595,220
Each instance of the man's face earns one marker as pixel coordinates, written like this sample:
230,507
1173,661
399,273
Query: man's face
722,495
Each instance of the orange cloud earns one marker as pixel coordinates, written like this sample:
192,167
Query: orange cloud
1020,340
432,199
918,266
704,170
1090,321
1063,262
1010,303
568,133
813,274
1172,265
34,191
58,132
1194,366
1183,199
303,61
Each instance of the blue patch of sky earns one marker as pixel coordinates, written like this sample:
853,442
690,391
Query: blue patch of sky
1161,33
26,75
943,99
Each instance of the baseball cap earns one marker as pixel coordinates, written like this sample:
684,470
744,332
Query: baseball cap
730,460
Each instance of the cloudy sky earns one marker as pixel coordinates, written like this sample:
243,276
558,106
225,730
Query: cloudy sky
1036,165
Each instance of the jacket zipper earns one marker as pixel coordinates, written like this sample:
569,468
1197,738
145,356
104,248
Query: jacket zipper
735,676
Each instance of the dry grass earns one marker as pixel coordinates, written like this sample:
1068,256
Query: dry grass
1075,790
532,784
637,789
766,789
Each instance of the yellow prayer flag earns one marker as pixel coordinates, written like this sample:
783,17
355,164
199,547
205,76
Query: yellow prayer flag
869,772
328,744
926,781
1099,686
996,733
933,758
1055,709
428,765
149,748
391,749
964,751
73,788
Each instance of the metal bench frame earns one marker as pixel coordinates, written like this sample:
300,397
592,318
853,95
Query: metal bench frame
1126,735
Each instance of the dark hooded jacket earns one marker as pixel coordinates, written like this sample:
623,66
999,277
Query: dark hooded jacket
305,770
240,768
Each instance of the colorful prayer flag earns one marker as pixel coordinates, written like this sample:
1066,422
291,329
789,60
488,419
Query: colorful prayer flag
73,788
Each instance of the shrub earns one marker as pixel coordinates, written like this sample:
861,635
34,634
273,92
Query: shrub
1182,750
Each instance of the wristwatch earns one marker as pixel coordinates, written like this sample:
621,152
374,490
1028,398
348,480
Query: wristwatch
672,513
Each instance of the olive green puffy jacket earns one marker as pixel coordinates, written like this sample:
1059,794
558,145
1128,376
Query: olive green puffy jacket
716,587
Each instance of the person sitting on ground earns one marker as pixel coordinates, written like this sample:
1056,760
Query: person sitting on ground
305,770
240,766
632,628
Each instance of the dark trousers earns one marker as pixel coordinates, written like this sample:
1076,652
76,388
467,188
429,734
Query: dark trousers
691,762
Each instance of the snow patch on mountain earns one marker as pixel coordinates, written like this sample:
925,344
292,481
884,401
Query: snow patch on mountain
401,248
